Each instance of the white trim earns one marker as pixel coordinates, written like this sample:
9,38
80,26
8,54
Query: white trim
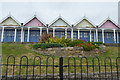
65,33
28,35
2,34
96,35
15,35
40,31
114,36
85,28
53,32
78,34
90,36
21,34
72,33
117,37
103,36
47,30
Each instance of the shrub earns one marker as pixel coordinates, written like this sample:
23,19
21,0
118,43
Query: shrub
98,43
86,46
45,38
75,42
61,40
36,46
47,45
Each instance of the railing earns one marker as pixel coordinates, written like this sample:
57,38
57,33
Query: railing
62,68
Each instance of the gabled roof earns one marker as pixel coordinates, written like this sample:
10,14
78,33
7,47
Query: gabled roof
107,19
59,18
84,18
10,16
35,16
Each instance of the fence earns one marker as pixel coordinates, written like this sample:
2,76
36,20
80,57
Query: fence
62,68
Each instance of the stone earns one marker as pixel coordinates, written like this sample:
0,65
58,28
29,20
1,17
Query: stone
50,49
69,48
79,48
39,49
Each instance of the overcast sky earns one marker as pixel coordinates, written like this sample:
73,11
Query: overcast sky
71,11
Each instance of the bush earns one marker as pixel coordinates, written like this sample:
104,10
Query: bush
61,40
75,42
86,46
47,45
45,38
36,46
98,43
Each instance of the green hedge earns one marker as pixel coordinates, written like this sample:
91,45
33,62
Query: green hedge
47,45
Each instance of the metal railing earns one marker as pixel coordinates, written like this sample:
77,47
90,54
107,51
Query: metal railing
71,68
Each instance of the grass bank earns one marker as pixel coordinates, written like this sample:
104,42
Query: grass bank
19,50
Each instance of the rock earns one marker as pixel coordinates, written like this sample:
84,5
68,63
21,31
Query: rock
102,46
79,48
50,49
62,48
69,48
39,49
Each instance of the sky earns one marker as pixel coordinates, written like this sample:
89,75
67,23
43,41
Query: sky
96,12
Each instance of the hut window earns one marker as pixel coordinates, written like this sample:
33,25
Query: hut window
85,34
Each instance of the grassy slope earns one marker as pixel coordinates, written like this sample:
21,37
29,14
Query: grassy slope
19,50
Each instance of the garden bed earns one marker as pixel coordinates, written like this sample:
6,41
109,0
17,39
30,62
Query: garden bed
70,51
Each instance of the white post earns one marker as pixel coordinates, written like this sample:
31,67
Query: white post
21,34
2,34
117,38
53,32
47,30
72,33
78,34
96,35
103,36
114,36
28,35
40,32
90,36
15,35
65,33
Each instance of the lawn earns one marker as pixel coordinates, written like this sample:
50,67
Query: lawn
19,50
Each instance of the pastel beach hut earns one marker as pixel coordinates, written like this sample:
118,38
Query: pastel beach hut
8,31
85,30
33,29
60,27
109,31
